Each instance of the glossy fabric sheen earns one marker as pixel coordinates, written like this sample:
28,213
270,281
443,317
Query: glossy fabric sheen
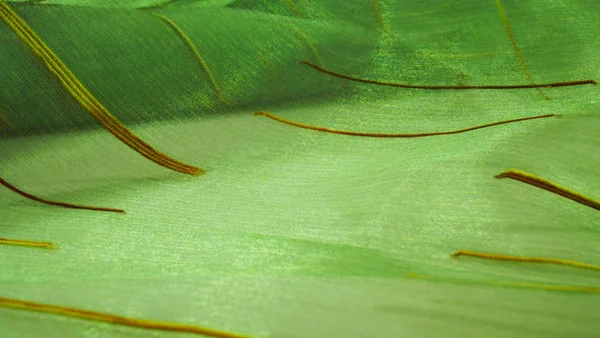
294,232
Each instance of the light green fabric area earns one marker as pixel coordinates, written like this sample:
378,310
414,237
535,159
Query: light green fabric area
291,232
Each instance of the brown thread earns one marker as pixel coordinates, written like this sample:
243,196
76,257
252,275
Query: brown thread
515,46
352,133
85,98
549,186
113,319
45,245
402,85
60,204
525,259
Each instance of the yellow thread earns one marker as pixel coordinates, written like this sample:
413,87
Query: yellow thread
353,133
292,7
525,259
549,186
35,244
112,319
81,94
546,287
85,98
190,45
516,49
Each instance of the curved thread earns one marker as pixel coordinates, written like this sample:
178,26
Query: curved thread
525,259
73,85
190,45
113,319
60,204
549,186
85,98
515,46
45,245
546,287
353,133
402,85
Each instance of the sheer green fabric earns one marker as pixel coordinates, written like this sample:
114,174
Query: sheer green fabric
292,232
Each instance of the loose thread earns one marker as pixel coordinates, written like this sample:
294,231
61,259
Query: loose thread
410,86
45,245
525,259
196,54
549,186
353,133
60,204
545,287
515,46
114,319
85,98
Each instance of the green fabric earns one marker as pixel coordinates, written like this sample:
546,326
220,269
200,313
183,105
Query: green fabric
291,232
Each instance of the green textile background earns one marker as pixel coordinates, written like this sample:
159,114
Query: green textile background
292,232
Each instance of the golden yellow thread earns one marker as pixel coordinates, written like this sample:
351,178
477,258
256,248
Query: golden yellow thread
353,133
549,186
546,287
40,49
46,245
292,7
112,319
515,46
525,259
4,120
190,45
85,98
